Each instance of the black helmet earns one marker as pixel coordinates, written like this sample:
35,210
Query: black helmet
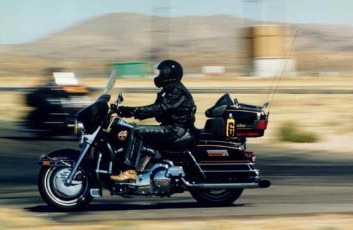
169,72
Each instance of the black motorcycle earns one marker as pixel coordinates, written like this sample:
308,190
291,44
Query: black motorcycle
211,163
55,104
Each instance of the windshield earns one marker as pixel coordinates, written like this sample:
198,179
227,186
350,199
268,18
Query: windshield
110,83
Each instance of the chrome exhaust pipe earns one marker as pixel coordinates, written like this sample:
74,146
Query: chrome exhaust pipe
259,184
264,183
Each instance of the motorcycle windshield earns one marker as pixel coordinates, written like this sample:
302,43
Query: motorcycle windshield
110,84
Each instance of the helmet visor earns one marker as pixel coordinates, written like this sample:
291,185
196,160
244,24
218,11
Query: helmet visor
157,72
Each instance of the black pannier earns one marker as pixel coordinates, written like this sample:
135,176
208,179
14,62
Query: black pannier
230,119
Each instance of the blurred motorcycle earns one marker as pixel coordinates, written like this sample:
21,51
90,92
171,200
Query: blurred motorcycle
55,105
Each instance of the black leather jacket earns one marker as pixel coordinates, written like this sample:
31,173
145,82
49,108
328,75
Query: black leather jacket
174,106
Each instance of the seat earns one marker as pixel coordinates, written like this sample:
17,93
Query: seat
184,141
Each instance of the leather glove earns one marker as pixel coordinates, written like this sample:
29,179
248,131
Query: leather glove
126,111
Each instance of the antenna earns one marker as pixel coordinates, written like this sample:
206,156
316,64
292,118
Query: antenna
284,66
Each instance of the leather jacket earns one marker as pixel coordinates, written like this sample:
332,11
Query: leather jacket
174,106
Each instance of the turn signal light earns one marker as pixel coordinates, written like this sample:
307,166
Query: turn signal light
46,163
251,156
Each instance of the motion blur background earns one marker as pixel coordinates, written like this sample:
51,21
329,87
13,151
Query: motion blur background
86,36
301,50
296,54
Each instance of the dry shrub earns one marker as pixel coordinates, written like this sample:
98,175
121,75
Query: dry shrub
290,131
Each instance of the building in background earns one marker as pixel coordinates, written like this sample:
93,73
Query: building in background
271,51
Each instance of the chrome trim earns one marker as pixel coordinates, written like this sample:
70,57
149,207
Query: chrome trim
233,163
88,140
175,171
78,127
98,165
95,192
256,184
230,171
197,164
84,150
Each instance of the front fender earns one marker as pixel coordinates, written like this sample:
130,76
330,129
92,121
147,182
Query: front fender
59,157
68,157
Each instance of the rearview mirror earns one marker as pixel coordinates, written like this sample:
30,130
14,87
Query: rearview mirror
236,103
265,105
120,98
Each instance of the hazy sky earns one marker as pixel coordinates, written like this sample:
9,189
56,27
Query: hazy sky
28,20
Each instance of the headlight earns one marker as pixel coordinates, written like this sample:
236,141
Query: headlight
78,127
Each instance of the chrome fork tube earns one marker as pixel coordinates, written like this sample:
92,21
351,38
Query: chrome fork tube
84,149
88,140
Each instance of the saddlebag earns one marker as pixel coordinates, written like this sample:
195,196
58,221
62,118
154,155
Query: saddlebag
229,120
219,159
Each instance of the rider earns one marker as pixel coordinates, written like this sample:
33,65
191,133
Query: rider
174,108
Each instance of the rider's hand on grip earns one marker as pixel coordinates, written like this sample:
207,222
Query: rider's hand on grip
126,111
114,108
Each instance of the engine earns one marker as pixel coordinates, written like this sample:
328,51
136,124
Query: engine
159,180
160,183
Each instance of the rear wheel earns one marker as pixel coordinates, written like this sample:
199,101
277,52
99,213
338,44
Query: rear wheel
216,197
57,195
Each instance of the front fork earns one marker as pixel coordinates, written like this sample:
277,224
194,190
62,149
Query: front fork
87,142
84,150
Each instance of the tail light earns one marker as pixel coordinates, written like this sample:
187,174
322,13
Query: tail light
261,124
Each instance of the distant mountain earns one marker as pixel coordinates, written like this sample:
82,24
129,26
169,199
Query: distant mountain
128,36
323,38
132,36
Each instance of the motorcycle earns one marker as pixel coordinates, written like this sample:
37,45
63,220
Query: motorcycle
55,105
211,163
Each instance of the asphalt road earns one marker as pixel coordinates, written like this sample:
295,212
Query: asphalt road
303,183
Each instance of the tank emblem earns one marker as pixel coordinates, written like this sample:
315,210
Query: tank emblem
122,135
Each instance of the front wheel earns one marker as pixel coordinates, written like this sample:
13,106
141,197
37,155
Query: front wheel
57,195
216,197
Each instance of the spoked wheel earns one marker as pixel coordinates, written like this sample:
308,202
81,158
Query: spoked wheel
216,197
57,195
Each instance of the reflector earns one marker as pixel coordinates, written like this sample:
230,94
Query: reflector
261,124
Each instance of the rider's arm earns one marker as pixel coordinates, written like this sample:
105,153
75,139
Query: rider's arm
166,101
